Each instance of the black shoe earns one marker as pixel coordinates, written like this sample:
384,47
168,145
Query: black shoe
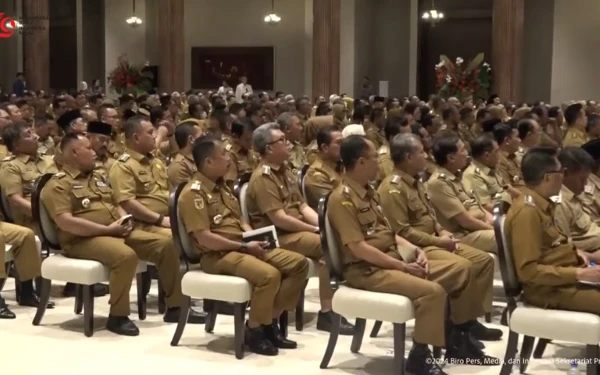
421,362
225,308
504,318
483,333
257,342
5,313
273,334
194,317
122,325
461,350
70,290
324,323
33,300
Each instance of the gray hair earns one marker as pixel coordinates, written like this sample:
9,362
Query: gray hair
263,135
284,119
403,145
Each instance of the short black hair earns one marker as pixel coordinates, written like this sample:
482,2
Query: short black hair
572,113
447,112
524,126
538,110
253,108
69,138
353,148
183,132
410,108
236,108
502,132
393,126
481,113
416,129
464,112
576,159
132,125
43,119
195,109
488,125
239,126
553,112
358,116
103,108
221,116
482,144
592,121
443,146
324,135
427,120
375,114
156,114
203,148
536,163
12,133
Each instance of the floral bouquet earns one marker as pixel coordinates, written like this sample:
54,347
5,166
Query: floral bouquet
462,81
129,78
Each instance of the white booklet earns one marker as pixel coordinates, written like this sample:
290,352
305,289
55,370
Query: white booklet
266,234
589,283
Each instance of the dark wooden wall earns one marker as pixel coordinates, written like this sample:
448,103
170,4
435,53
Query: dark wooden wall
63,45
465,31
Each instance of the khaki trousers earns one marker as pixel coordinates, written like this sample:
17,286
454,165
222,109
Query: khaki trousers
309,245
24,249
482,239
482,274
121,256
278,279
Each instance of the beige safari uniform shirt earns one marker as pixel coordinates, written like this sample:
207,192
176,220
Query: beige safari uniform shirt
486,183
386,165
103,166
241,162
297,158
572,219
143,178
375,135
46,147
575,138
312,150
181,169
116,145
591,198
321,178
510,170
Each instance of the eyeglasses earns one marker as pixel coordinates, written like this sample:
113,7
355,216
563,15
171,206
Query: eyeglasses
561,171
280,140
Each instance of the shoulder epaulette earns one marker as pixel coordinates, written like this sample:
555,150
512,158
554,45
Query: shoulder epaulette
477,171
8,158
442,175
124,157
59,175
589,189
313,146
346,190
196,186
529,201
266,170
383,150
228,147
395,180
557,198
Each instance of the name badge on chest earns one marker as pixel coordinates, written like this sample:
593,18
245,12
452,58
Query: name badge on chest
101,183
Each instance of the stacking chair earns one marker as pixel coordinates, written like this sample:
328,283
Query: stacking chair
83,273
532,322
301,179
201,285
361,304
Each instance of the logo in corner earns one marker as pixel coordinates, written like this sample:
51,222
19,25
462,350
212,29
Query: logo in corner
7,26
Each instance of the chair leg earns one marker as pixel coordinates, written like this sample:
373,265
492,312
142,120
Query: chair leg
38,285
212,317
333,336
399,342
300,310
162,305
17,286
437,352
526,349
283,323
359,332
592,353
141,296
239,312
488,317
184,312
510,354
78,299
376,328
88,309
540,348
44,298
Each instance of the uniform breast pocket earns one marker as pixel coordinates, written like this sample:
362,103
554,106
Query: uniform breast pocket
160,174
416,208
28,179
367,219
81,200
582,222
144,182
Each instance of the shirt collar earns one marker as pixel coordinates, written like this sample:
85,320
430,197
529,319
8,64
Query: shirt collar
327,164
445,172
72,171
506,155
360,190
139,157
543,203
410,180
24,158
210,185
273,166
566,193
483,168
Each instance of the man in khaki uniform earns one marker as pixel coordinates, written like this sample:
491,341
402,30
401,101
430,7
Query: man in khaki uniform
69,122
99,134
375,132
274,199
591,192
530,134
139,180
406,204
43,125
311,128
91,226
4,121
548,265
20,170
291,127
212,216
242,158
571,216
393,126
508,167
107,113
378,260
458,210
325,173
182,167
576,123
481,175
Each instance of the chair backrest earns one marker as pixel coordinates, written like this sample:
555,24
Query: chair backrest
240,188
302,180
181,238
510,279
44,225
5,207
331,249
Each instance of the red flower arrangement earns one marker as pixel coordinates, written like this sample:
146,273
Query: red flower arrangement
129,78
460,81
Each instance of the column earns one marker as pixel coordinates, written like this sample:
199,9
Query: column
326,47
170,45
507,48
36,44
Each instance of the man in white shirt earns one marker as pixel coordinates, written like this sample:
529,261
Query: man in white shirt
242,88
222,92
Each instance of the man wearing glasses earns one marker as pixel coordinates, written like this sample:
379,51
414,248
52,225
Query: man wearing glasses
108,114
274,199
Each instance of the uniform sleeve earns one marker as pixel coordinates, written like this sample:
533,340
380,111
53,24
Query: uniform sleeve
502,170
176,173
266,194
122,182
56,198
343,218
395,207
444,200
386,167
51,165
480,188
194,212
11,180
525,235
317,184
563,217
232,171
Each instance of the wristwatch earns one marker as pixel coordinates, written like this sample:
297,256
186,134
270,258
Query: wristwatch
243,247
